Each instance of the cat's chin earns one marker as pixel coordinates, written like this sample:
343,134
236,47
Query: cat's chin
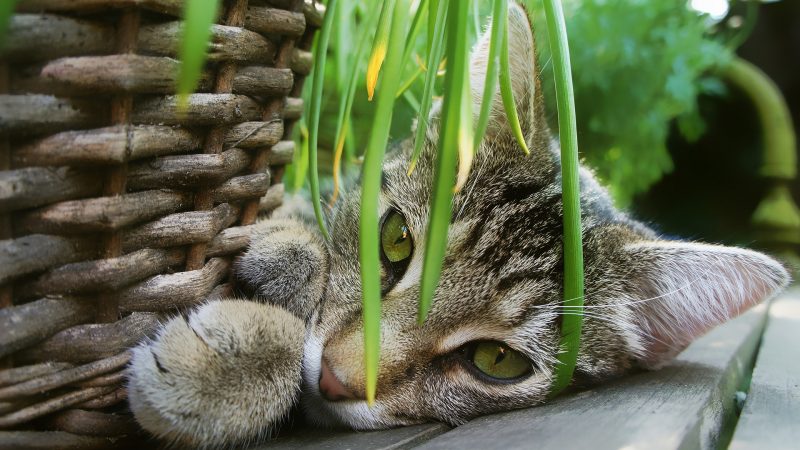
355,414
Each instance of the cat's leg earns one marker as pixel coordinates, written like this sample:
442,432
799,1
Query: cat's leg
285,264
219,377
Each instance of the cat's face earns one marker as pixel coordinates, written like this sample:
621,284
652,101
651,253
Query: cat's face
491,339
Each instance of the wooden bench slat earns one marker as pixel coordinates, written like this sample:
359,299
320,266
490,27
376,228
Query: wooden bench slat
321,439
771,415
683,405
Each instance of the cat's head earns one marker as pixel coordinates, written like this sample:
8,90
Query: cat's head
492,336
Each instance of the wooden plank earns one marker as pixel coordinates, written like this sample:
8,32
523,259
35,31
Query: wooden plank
771,415
688,404
320,439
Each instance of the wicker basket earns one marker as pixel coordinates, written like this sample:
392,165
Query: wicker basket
116,208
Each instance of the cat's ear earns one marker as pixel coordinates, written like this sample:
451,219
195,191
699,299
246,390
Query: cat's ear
524,80
681,290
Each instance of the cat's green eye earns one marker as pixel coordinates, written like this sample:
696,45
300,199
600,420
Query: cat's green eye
396,242
499,361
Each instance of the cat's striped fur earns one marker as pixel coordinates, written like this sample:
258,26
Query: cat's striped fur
646,298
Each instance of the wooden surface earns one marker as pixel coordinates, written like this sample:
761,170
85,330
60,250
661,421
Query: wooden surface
398,438
771,415
692,403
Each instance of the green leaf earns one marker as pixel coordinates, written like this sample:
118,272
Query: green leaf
369,256
455,123
434,56
499,19
318,79
379,46
647,60
465,137
508,95
416,27
572,320
300,159
198,17
346,103
6,11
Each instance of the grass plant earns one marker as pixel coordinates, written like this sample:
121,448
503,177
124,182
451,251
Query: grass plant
369,242
448,23
198,17
571,323
448,26
6,9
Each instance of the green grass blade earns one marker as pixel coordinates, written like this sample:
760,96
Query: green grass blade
350,146
410,81
6,11
369,239
379,45
412,101
300,159
573,248
465,137
346,102
416,27
451,137
198,17
342,41
476,18
320,57
499,21
435,52
433,17
508,96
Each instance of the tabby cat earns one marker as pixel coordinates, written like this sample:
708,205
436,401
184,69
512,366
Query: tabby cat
227,372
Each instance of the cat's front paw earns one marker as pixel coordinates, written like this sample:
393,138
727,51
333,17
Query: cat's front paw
222,376
286,264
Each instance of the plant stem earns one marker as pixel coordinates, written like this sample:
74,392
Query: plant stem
198,18
573,248
507,93
454,126
6,11
320,56
369,239
346,104
435,50
499,19
379,45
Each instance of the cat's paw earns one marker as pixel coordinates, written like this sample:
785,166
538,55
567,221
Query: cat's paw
220,377
286,264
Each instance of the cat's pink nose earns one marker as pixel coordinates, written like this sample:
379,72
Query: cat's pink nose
331,388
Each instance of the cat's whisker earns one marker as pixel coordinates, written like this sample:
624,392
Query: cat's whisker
642,332
545,65
627,303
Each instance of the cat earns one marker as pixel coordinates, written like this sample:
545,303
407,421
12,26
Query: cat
492,336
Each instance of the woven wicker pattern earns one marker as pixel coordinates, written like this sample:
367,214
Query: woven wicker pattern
117,208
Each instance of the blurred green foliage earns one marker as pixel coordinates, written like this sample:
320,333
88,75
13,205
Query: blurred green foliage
198,17
637,66
6,9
